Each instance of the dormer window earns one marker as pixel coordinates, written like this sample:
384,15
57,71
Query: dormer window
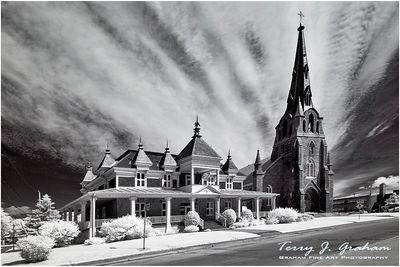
229,183
140,179
167,181
209,179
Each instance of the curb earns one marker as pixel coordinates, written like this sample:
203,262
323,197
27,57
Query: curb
149,254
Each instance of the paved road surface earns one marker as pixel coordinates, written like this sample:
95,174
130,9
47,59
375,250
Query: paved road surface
266,250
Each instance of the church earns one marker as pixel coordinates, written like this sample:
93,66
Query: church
299,168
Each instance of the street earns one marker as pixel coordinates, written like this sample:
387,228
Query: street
316,247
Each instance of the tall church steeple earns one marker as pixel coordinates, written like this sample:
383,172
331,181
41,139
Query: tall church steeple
299,97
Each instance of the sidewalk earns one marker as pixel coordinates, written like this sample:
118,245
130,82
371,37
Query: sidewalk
321,222
82,254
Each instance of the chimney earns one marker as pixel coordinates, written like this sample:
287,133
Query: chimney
382,190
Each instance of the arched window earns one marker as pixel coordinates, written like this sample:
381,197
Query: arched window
311,123
269,189
317,126
310,168
311,148
304,125
307,96
284,129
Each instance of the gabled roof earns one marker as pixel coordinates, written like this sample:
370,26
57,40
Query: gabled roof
229,166
107,161
89,176
155,157
167,160
141,158
198,147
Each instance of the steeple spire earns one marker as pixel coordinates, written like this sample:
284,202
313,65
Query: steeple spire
197,127
300,91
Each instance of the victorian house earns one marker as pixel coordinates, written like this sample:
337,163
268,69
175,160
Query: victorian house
164,187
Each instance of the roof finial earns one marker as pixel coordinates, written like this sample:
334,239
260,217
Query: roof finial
301,15
229,154
140,142
197,127
166,147
107,149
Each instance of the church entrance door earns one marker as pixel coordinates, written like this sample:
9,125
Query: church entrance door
311,200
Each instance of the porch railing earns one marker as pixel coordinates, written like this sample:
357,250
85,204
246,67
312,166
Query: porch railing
163,219
221,219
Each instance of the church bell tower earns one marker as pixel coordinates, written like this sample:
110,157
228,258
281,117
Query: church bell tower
300,148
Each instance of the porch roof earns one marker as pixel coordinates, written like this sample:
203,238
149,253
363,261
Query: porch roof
127,192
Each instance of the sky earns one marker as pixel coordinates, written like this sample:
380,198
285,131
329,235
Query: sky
77,76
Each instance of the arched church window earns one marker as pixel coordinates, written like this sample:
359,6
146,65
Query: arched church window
310,168
284,129
311,123
269,189
307,96
317,126
312,147
304,125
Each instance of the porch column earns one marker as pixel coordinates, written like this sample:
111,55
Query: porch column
273,202
168,213
217,206
133,206
258,209
192,205
217,171
92,229
239,204
75,213
192,176
70,215
65,215
83,213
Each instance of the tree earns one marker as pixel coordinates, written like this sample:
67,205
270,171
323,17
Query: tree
6,224
44,212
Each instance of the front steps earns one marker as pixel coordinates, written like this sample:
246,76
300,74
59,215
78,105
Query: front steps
212,225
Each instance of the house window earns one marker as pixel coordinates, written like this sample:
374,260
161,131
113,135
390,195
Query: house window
140,179
103,213
209,179
269,202
167,181
229,183
210,208
164,208
228,205
188,179
140,209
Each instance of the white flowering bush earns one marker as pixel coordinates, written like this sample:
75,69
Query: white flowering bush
35,248
95,241
247,215
271,220
192,218
241,224
126,227
230,216
304,218
191,229
284,215
61,232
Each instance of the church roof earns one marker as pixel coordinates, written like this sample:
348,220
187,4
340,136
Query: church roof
300,85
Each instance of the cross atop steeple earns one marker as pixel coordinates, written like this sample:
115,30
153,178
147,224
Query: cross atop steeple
301,15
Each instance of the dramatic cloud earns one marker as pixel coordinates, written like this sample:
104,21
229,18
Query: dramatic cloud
78,75
392,182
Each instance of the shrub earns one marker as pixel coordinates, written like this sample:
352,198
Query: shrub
284,215
247,216
192,218
271,220
35,248
94,241
240,224
304,218
230,216
191,229
126,227
261,221
61,231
